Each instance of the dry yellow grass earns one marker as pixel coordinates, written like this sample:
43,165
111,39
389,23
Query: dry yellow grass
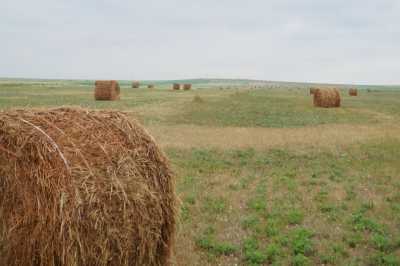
325,136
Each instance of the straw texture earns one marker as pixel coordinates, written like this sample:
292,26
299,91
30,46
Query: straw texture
327,98
81,187
107,90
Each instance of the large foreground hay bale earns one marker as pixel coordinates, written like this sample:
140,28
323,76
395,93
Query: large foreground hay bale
353,92
135,84
82,187
326,98
187,87
176,86
106,90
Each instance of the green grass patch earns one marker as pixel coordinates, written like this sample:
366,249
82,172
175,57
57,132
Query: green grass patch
266,109
209,244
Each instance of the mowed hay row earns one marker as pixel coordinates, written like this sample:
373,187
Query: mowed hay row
135,84
176,86
327,98
187,87
353,92
99,192
312,90
106,90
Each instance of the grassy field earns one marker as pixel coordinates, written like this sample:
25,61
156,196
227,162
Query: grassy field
264,177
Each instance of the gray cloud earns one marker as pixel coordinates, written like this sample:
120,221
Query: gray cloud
294,40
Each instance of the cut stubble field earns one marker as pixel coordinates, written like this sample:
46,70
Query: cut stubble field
263,176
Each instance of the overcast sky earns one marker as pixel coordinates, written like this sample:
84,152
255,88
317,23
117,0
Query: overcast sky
341,41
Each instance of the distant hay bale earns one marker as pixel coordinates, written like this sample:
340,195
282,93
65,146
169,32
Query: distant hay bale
198,99
353,92
176,86
312,90
135,84
187,86
83,187
150,86
326,98
106,90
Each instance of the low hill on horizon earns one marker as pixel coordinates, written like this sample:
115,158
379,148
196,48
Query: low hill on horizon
200,82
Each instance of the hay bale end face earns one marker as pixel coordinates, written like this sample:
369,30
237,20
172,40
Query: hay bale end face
176,86
135,84
327,98
106,90
99,192
353,92
187,87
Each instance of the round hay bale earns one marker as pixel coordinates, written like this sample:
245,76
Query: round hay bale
176,86
326,98
187,87
83,187
150,86
353,92
106,90
198,99
312,90
135,84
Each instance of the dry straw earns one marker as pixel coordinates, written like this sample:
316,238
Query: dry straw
82,187
312,90
106,90
326,98
176,86
135,84
187,87
353,92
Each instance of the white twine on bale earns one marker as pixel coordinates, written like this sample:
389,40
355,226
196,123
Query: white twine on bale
52,142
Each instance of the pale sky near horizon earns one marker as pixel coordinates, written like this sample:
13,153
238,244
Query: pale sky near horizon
337,41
